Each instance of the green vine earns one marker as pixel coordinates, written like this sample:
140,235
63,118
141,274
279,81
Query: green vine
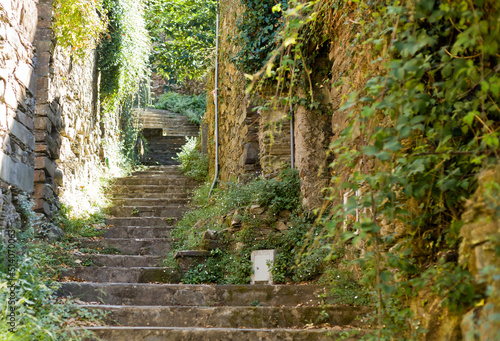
257,33
420,129
123,62
78,25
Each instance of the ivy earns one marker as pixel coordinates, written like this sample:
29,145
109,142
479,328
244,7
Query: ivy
123,62
419,131
123,53
257,34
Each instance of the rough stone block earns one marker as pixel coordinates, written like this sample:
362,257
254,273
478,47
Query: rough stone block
45,11
40,176
43,162
41,136
43,206
43,34
43,123
262,261
10,96
25,120
16,173
43,191
22,133
23,74
45,109
54,147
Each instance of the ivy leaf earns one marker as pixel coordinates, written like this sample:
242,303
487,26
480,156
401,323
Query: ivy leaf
393,145
370,150
469,118
384,156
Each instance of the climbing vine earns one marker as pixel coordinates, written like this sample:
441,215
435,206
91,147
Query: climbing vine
123,62
418,133
78,25
257,33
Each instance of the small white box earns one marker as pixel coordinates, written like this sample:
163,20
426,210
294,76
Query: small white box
262,261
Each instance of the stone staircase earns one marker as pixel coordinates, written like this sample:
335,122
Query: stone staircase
143,298
166,133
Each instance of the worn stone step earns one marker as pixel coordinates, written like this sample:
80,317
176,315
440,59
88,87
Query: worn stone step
152,195
153,203
158,170
144,246
160,161
175,177
147,189
195,295
138,232
122,260
175,212
155,181
161,154
157,173
220,334
230,317
123,274
167,143
144,211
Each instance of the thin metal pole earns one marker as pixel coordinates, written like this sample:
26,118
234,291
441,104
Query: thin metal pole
292,138
216,175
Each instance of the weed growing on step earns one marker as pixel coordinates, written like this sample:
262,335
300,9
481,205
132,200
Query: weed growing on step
228,211
28,291
191,106
193,162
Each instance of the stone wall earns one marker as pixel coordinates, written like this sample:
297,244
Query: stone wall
17,104
238,123
51,129
70,131
243,151
479,252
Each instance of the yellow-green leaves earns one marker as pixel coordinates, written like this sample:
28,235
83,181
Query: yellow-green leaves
78,25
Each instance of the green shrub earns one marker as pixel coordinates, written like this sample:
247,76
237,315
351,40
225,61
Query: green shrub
31,265
234,266
191,106
193,162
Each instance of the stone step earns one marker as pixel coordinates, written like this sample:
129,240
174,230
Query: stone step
158,170
195,295
151,195
156,151
155,181
179,119
177,127
230,317
138,232
167,189
123,274
175,212
168,121
172,131
172,154
144,246
176,177
220,334
145,211
122,260
159,161
153,203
